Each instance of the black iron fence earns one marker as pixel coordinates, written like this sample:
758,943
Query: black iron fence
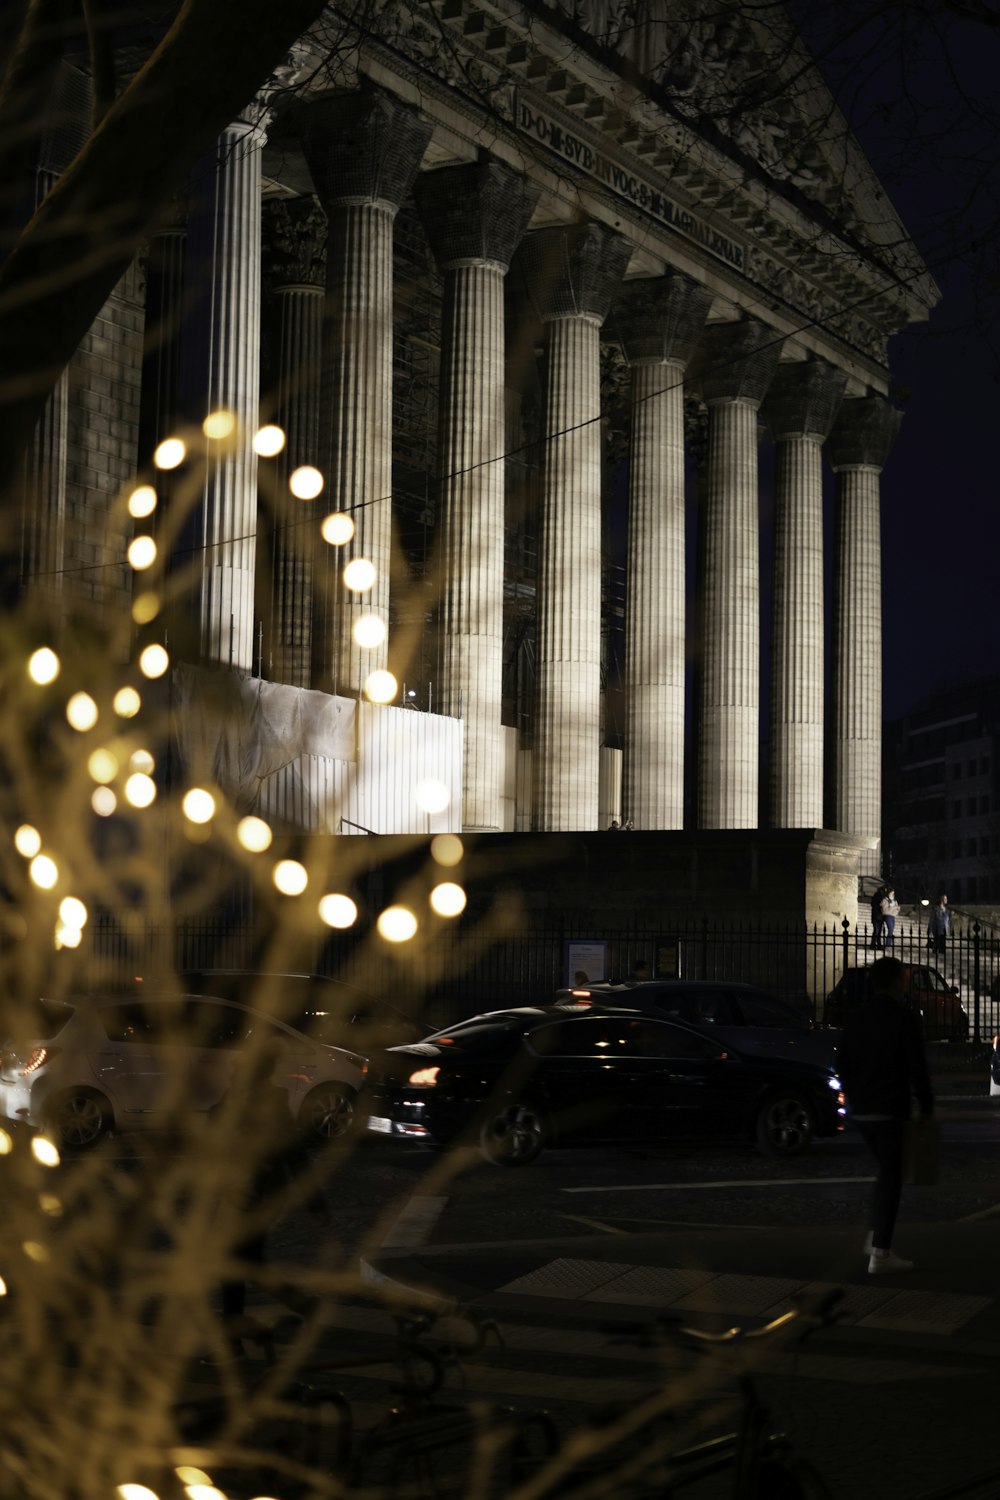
472,967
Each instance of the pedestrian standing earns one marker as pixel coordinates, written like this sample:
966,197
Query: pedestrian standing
890,911
876,909
883,1064
939,925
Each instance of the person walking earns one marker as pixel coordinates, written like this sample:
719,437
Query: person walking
876,910
890,911
939,925
883,1064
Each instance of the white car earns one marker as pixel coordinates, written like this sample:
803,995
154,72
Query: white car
83,1067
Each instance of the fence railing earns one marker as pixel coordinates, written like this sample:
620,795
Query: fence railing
470,968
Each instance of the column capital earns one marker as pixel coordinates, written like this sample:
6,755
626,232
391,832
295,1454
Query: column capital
736,361
475,213
863,433
573,270
294,244
661,318
363,147
802,400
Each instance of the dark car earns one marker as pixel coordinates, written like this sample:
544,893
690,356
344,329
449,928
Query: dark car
937,1002
329,1010
728,1011
515,1081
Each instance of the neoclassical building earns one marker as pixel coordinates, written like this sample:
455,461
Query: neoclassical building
534,287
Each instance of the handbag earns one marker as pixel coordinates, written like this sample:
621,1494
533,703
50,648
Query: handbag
922,1151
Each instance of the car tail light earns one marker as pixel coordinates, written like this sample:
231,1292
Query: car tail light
38,1058
424,1077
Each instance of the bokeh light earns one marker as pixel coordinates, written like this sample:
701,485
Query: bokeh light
103,801
67,937
290,877
336,529
447,849
44,666
188,1474
44,871
203,1492
397,924
254,834
6,1144
126,703
142,501
359,575
432,795
140,790
170,454
27,841
219,425
369,630
153,661
135,1492
268,441
141,552
448,899
81,712
305,482
103,765
338,911
44,1151
142,760
73,912
199,805
145,607
381,687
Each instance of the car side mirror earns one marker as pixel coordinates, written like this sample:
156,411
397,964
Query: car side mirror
954,989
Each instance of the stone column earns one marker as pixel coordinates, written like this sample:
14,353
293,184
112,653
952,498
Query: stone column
474,217
364,151
223,370
799,410
736,362
295,270
857,449
573,274
659,323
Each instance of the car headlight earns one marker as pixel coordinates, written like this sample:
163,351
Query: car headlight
833,1082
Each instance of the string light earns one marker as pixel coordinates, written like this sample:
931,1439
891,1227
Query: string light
432,795
369,630
81,712
359,575
290,877
142,502
170,454
141,552
268,441
336,529
448,899
140,790
381,687
254,834
142,760
145,607
337,911
397,924
447,849
44,872
126,703
102,765
44,666
103,801
219,425
44,1151
27,841
73,912
153,661
305,482
198,805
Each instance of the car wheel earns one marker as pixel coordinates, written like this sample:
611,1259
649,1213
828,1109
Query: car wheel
786,1124
329,1113
513,1136
79,1119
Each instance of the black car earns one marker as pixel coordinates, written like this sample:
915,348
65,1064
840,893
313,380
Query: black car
328,1010
516,1081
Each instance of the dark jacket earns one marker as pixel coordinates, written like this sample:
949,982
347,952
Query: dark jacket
882,1061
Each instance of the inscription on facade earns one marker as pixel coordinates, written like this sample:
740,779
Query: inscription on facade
626,184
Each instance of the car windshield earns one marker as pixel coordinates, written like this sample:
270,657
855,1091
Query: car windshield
39,1020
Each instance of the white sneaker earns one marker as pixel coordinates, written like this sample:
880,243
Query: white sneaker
884,1262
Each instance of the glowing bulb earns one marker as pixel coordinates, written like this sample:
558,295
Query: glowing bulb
381,687
199,805
218,425
268,441
145,607
170,454
103,801
6,1144
142,760
103,766
141,552
446,849
140,790
397,924
45,1151
67,937
73,912
126,703
44,871
153,661
359,575
338,911
448,899
336,529
432,796
254,834
81,711
27,841
135,1492
369,630
306,482
44,666
290,877
142,501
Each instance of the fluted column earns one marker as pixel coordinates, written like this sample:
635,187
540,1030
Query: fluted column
799,409
736,362
223,295
364,150
474,217
295,264
573,274
659,323
858,448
